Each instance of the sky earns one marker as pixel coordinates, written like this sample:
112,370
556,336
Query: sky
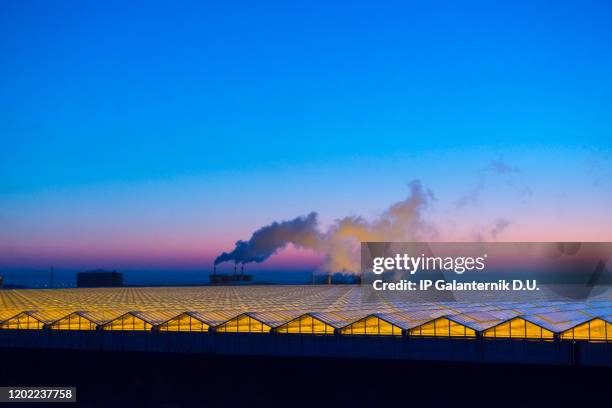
153,135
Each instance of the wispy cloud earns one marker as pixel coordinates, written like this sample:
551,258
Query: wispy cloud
499,166
500,226
471,197
487,175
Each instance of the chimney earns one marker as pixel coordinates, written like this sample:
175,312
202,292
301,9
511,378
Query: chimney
242,269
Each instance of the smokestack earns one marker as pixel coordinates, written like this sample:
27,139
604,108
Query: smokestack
329,279
242,269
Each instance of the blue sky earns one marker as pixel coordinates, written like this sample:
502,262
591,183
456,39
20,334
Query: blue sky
188,125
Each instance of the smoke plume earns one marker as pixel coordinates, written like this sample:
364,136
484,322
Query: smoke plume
266,241
340,243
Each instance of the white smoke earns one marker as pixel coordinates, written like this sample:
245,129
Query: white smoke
340,244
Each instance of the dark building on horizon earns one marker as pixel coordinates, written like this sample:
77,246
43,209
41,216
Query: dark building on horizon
99,279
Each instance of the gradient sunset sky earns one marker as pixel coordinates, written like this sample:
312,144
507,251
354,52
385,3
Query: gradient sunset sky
156,134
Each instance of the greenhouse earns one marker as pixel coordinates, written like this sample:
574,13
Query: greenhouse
74,321
595,330
443,327
138,321
31,320
518,328
306,324
187,321
23,321
372,325
243,323
344,310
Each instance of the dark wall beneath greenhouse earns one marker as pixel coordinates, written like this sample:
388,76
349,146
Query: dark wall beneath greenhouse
394,348
181,379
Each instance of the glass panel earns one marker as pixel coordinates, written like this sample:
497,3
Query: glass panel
244,324
386,328
184,323
518,328
592,330
73,322
128,322
568,335
22,322
306,325
355,328
581,332
372,325
547,334
598,329
456,329
503,330
442,327
427,329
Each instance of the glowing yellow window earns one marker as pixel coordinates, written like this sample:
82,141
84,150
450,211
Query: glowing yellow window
293,326
307,325
443,327
502,330
427,329
73,321
596,329
518,328
184,322
320,327
372,325
128,322
23,321
388,329
533,331
456,329
582,332
359,327
243,324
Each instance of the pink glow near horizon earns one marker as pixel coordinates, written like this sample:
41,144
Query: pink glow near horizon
174,250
